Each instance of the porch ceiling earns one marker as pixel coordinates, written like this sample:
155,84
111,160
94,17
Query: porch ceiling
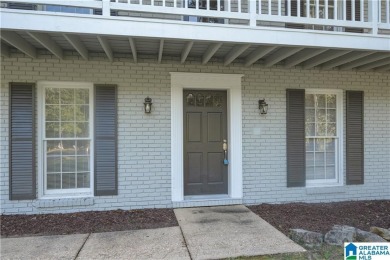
29,42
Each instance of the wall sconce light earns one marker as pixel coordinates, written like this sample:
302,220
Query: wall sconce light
148,105
263,107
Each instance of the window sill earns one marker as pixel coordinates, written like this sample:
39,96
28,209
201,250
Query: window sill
63,202
325,190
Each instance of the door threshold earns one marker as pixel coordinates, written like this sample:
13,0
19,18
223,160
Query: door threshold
206,201
207,197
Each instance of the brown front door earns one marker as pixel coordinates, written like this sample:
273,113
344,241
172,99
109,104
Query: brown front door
205,129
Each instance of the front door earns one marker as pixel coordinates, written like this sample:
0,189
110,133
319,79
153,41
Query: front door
205,131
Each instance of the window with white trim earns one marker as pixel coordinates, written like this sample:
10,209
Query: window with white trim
323,128
66,138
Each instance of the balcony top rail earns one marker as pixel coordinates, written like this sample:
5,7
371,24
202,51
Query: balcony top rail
356,16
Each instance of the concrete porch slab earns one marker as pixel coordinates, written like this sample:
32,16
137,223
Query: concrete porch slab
42,247
230,231
161,243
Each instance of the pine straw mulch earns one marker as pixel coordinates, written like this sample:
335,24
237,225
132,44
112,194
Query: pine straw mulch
321,217
86,222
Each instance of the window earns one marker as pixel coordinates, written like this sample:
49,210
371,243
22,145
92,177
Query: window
323,131
66,9
66,138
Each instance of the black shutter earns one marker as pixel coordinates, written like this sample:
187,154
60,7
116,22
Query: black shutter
22,183
355,137
296,150
106,174
357,15
294,12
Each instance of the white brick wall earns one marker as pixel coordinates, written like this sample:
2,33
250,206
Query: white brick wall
144,139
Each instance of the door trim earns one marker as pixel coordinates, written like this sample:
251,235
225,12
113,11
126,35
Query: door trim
232,84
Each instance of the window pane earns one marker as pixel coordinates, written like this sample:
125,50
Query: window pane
69,180
331,115
330,172
54,181
83,180
320,100
310,129
310,115
309,100
52,113
53,148
82,129
309,144
330,145
321,129
67,129
321,116
69,147
309,173
52,130
67,113
68,164
82,147
52,96
82,163
319,172
53,164
310,159
330,159
320,145
331,129
331,101
82,96
320,159
82,112
67,96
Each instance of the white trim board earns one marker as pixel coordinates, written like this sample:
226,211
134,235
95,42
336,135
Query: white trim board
232,84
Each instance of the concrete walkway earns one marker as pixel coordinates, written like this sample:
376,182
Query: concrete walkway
209,233
230,231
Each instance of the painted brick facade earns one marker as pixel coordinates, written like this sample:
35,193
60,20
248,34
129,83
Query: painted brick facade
144,143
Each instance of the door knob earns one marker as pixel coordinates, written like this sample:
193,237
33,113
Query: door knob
225,147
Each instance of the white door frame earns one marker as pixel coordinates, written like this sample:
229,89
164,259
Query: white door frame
232,84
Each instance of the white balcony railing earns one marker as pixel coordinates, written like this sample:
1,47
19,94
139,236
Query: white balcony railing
356,16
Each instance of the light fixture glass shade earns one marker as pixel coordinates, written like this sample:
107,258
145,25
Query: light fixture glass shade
263,107
148,105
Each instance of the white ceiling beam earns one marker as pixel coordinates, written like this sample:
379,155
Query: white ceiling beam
281,55
47,42
186,51
384,68
302,56
19,43
106,47
257,54
211,50
77,45
5,50
235,52
160,51
324,57
363,61
133,49
376,64
344,59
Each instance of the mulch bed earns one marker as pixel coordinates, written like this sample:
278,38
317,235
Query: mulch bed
320,217
314,217
86,222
